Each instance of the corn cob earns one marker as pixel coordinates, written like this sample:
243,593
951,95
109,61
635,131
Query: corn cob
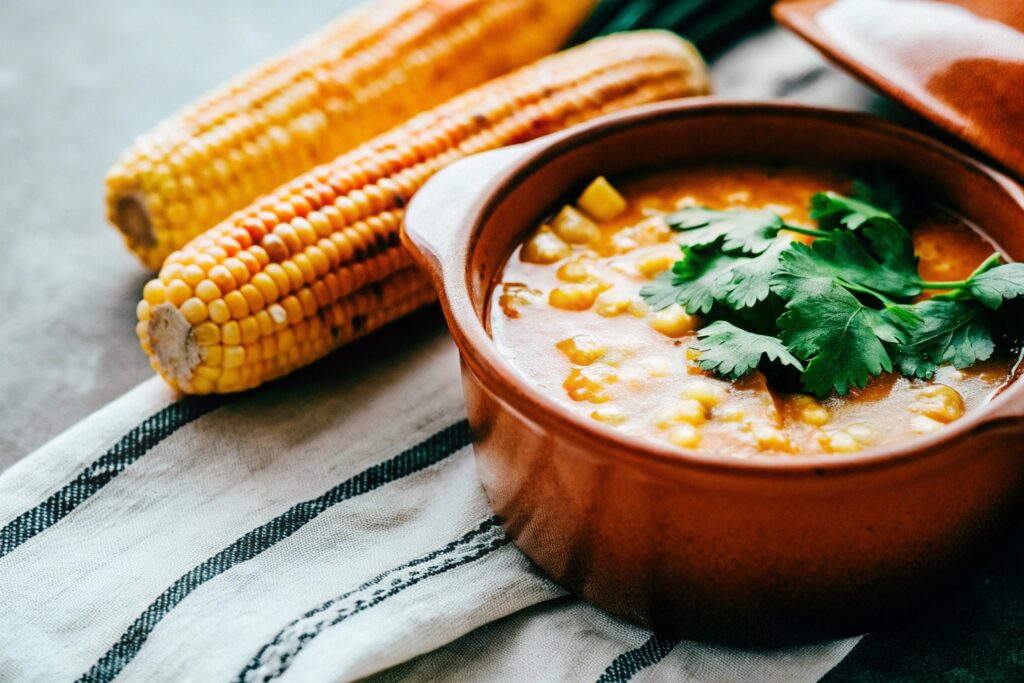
319,262
370,70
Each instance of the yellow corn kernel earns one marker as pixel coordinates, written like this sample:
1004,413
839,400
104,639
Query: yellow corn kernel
652,230
839,442
687,410
219,311
673,321
730,414
639,308
863,432
212,355
575,228
207,291
249,329
234,356
920,424
154,292
768,438
201,384
583,349
939,402
207,334
609,415
707,394
589,384
142,311
210,372
321,255
575,271
611,303
231,333
624,240
575,297
544,247
656,262
194,310
237,304
601,200
810,411
684,436
177,292
514,296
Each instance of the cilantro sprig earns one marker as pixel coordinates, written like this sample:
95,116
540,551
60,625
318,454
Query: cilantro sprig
846,299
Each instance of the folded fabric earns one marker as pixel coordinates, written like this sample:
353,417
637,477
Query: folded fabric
327,527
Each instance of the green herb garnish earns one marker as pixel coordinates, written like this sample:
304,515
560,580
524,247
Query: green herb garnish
733,352
846,299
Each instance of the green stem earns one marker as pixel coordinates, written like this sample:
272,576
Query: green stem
864,290
806,231
953,284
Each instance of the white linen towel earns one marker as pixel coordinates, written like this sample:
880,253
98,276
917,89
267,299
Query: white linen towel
326,527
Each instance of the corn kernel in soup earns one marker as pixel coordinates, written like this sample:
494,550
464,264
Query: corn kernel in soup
567,315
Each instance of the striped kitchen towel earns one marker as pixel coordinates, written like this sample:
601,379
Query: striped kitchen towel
326,527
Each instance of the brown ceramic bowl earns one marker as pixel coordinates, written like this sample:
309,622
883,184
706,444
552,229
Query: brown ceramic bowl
766,550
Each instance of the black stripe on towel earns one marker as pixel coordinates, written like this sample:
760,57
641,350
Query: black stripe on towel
632,662
274,658
426,453
132,446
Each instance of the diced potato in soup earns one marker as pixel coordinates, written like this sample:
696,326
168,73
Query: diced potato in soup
568,315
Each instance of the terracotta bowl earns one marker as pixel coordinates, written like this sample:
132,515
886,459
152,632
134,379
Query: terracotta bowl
766,550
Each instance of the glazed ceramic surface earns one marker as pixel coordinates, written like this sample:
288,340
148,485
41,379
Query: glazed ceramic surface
763,550
959,63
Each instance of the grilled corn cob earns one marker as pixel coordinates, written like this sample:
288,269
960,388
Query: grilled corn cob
370,70
319,262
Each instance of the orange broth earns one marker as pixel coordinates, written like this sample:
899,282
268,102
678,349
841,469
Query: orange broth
576,328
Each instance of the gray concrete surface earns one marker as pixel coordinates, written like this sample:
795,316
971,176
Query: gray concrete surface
77,82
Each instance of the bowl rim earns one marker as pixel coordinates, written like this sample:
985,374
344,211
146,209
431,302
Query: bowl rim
481,355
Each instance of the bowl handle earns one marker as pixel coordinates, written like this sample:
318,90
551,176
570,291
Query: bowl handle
440,217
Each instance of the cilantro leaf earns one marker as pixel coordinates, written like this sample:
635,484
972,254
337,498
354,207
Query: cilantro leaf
694,282
732,352
840,338
957,332
882,192
750,279
833,210
992,286
893,248
749,232
841,256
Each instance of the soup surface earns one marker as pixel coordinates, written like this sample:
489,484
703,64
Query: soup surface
568,315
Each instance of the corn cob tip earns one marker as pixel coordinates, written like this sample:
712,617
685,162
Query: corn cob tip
132,217
175,350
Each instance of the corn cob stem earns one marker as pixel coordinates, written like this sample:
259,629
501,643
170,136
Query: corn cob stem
318,262
370,70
